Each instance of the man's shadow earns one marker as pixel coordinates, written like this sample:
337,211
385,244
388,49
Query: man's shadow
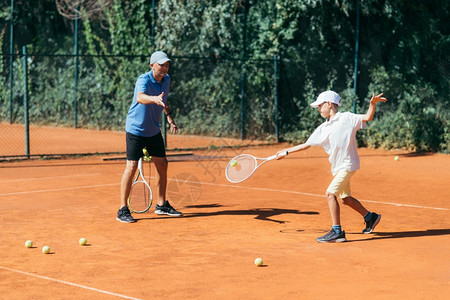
263,214
405,234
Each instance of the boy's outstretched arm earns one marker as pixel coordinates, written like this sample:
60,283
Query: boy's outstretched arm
371,111
282,153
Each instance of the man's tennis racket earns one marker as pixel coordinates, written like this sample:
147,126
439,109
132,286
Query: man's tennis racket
243,166
141,196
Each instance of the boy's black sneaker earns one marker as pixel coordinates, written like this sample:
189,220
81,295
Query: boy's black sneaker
332,237
167,209
124,215
370,225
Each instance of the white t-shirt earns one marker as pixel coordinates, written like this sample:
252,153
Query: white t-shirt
338,138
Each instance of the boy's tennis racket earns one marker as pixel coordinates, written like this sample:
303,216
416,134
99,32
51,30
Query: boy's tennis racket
243,166
141,196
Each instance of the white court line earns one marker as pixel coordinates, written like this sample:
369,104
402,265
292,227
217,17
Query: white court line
60,189
45,178
69,283
316,195
231,186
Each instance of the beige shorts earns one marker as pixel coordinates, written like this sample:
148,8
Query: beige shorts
340,186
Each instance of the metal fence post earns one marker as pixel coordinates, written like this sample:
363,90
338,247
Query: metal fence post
275,96
355,76
75,101
152,40
25,101
11,63
244,41
164,128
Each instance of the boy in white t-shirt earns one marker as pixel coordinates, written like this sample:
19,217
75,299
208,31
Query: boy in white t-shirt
337,136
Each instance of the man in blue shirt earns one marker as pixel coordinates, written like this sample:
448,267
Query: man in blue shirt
143,131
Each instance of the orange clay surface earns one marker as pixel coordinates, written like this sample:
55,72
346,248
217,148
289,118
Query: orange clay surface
209,253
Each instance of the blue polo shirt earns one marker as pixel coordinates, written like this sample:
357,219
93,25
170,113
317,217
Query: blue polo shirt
143,120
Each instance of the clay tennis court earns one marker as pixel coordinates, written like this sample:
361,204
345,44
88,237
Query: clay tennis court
209,252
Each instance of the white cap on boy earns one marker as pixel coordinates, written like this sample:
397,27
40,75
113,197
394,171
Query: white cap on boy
327,96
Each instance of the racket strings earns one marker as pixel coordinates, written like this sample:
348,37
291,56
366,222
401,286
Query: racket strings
140,197
241,168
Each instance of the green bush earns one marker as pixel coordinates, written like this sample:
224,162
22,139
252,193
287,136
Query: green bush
413,126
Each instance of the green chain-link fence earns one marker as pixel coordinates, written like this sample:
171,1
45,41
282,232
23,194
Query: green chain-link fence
206,98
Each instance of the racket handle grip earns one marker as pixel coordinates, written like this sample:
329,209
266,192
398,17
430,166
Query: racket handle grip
275,156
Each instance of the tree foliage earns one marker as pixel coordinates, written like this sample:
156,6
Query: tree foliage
224,52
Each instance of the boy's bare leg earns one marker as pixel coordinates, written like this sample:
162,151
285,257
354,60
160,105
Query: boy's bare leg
355,204
336,234
371,220
335,209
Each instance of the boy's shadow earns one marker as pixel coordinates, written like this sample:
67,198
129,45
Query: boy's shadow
263,214
405,234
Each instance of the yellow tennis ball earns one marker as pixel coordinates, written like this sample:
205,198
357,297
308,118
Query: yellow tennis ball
258,262
82,241
396,158
234,163
144,150
28,244
46,249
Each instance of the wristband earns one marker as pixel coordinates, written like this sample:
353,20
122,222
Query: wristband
169,114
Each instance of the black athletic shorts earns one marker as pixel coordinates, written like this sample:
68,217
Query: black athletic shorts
154,145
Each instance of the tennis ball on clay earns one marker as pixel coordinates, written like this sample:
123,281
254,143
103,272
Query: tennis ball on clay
234,163
28,244
46,249
258,262
396,158
82,241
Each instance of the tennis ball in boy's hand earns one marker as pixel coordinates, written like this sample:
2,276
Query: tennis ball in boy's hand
46,249
258,262
82,241
396,158
145,152
234,163
28,244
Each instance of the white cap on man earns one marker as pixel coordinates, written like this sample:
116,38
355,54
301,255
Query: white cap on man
327,96
159,57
